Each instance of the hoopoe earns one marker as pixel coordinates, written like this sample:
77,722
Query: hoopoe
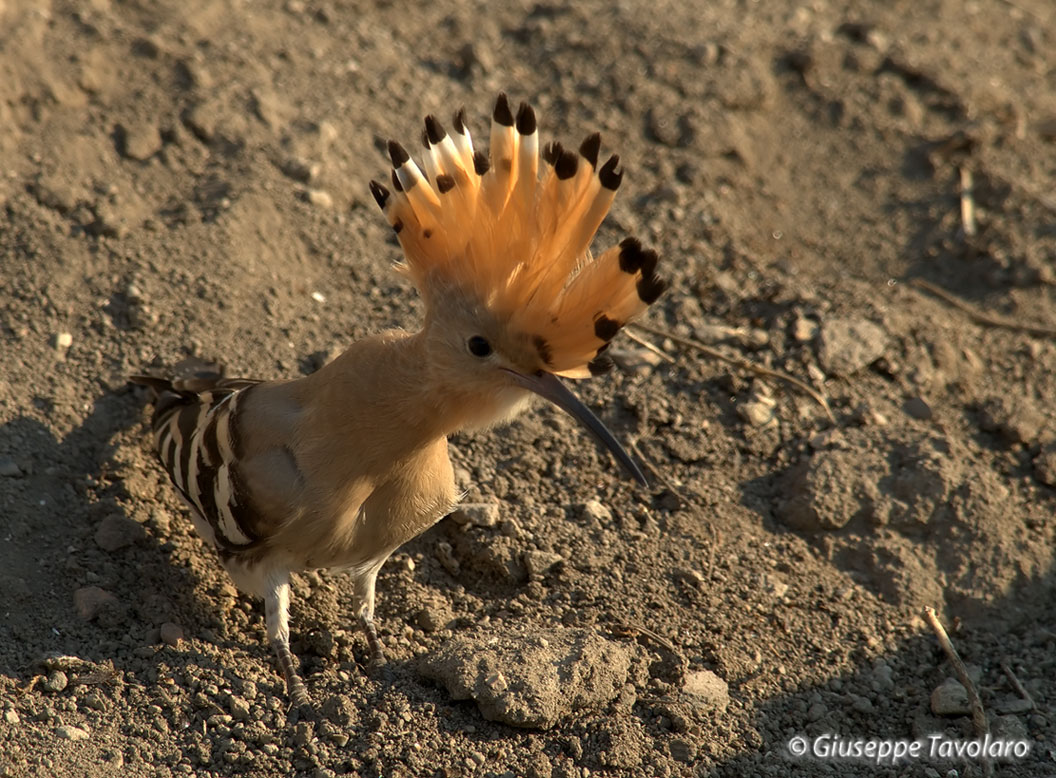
339,468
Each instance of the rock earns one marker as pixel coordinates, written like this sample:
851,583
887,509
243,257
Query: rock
530,681
434,617
539,563
482,514
319,198
91,602
70,732
11,717
61,341
239,707
804,330
950,698
170,633
758,409
116,531
848,345
917,408
707,690
682,751
9,468
56,682
139,140
594,510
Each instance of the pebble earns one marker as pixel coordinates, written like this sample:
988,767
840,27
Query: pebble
319,198
116,531
70,732
707,689
446,555
758,410
140,140
950,698
239,707
61,341
170,633
917,408
56,681
804,329
90,601
848,345
481,514
592,509
682,751
539,563
11,717
9,468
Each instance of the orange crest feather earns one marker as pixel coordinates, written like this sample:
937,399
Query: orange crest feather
520,242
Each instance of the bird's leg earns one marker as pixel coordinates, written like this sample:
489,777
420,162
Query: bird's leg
277,618
363,600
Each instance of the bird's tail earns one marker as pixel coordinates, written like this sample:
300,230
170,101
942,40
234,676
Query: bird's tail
191,375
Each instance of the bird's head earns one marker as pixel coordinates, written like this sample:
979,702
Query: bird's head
501,256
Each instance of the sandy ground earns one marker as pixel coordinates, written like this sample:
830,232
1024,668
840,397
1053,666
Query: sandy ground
190,178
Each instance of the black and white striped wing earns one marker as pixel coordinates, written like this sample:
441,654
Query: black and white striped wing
198,439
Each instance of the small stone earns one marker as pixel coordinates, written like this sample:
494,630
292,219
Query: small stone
116,531
446,554
481,514
139,141
682,751
9,468
56,682
70,732
431,619
11,716
594,510
91,601
917,408
302,170
239,707
950,698
758,410
849,345
170,634
61,341
319,198
707,689
539,563
804,330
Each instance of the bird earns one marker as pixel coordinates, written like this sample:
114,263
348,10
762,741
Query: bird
339,468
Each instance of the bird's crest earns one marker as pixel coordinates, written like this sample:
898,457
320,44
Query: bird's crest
519,242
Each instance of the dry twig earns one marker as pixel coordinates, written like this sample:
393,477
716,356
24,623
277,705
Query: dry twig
744,364
1021,690
979,722
981,317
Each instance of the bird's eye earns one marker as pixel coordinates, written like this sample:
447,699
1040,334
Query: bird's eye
479,346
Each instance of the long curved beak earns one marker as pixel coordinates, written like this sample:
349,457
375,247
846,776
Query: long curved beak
549,386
